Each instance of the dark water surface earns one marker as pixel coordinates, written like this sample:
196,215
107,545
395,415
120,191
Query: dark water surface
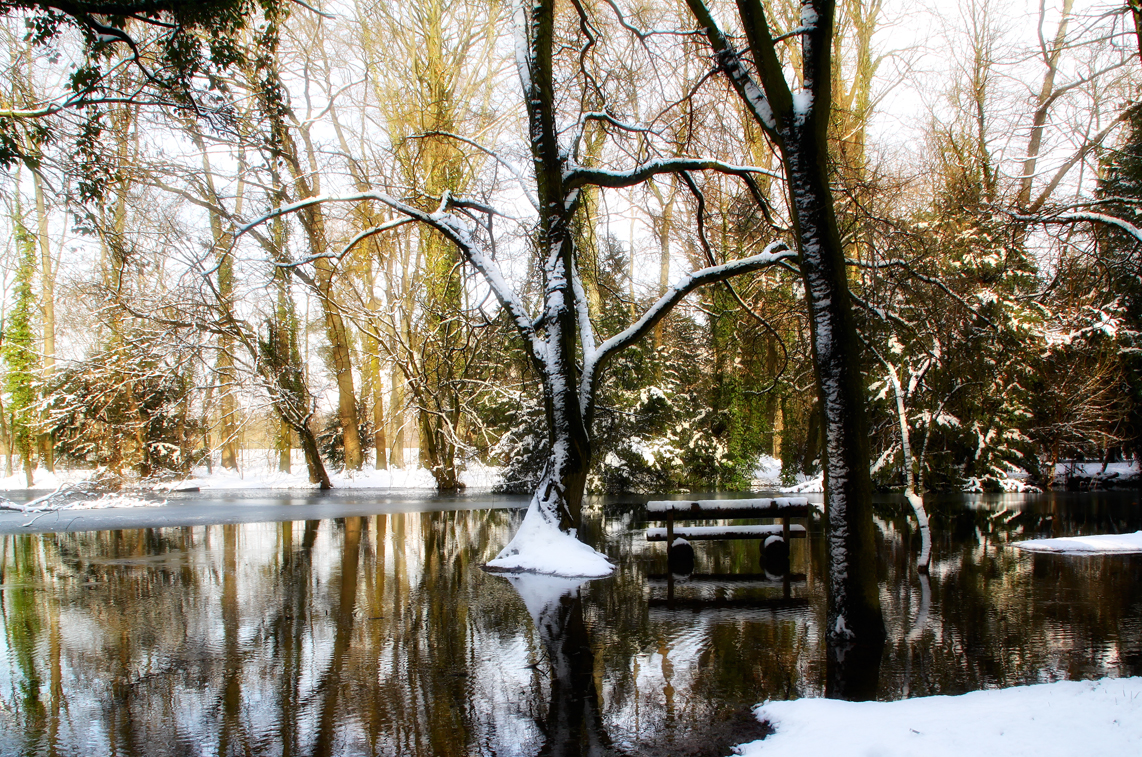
367,630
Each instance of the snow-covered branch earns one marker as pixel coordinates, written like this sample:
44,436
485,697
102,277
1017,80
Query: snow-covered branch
730,61
453,229
1087,216
578,176
774,254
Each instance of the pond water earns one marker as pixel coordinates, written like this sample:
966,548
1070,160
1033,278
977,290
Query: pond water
361,624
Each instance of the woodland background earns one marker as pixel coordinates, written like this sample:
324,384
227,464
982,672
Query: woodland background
986,160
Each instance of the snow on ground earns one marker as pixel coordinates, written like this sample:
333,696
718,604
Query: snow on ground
113,500
1119,472
1107,544
45,479
1046,720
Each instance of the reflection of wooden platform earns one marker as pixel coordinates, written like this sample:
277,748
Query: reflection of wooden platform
696,605
728,580
737,580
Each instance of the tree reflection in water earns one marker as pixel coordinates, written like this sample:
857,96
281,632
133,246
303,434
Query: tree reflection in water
380,635
573,723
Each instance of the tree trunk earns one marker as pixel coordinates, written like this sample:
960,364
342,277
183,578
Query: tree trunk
914,496
313,222
380,442
396,418
853,588
342,367
313,461
285,446
47,312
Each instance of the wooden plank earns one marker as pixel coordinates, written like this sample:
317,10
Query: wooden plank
727,514
791,507
708,533
708,505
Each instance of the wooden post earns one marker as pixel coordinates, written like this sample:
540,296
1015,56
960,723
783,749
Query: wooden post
669,530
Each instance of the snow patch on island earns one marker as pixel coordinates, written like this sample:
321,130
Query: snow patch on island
540,547
1045,720
1107,544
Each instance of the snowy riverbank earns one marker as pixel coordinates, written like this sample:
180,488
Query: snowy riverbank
1047,720
1103,544
256,472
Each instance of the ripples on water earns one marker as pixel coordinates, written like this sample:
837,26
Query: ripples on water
379,634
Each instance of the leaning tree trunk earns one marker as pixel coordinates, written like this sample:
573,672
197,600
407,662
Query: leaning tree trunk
797,122
912,492
854,608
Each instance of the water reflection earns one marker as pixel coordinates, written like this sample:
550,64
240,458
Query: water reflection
379,635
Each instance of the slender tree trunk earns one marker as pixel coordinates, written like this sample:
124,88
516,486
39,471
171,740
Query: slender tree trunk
855,593
47,312
914,496
1043,105
397,419
380,441
285,446
799,125
227,376
313,222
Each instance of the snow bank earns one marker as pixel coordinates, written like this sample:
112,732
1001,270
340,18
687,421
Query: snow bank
112,500
540,547
1013,483
260,474
1108,544
814,485
767,472
1064,719
45,479
1115,473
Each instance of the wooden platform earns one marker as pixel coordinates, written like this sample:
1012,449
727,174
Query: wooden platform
778,508
708,533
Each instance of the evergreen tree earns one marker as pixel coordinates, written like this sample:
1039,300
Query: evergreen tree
1120,260
19,353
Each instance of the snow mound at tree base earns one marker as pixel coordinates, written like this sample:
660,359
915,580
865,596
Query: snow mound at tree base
540,547
1107,544
1046,720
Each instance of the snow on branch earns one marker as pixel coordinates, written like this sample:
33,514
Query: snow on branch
605,117
730,61
1088,216
452,228
388,226
774,254
577,176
